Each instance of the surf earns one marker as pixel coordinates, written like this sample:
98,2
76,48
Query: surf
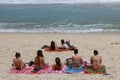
55,1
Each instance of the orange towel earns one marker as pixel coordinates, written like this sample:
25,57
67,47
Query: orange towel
57,50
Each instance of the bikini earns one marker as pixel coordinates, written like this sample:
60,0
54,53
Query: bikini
37,69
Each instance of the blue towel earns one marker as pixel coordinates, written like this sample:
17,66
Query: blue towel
75,70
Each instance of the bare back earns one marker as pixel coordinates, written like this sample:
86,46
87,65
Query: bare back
18,63
96,62
77,61
39,62
56,67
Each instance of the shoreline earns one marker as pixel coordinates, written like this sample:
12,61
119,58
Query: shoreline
103,32
60,3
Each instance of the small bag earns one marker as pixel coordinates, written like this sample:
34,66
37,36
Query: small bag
31,63
69,62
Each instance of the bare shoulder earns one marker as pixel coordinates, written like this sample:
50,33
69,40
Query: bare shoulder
100,57
14,59
20,59
42,58
53,65
92,57
80,56
73,57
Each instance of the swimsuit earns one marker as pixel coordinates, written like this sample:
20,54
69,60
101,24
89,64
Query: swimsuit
37,69
18,68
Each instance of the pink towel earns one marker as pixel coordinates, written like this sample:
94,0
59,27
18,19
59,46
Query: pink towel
29,70
57,71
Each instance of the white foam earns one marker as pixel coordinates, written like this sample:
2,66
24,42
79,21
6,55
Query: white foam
54,1
66,28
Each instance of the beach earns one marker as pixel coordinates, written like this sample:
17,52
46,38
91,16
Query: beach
107,44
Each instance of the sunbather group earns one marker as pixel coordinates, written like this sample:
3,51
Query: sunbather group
74,62
65,45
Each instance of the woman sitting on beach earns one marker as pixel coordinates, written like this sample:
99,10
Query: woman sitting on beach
17,62
58,65
96,61
39,61
96,66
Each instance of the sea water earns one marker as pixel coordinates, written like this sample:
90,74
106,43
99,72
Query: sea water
60,17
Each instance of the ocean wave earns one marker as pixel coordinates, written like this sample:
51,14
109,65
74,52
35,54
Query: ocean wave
66,28
54,1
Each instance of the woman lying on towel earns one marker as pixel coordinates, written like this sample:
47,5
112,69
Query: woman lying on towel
58,65
17,62
66,45
53,46
70,47
39,61
63,45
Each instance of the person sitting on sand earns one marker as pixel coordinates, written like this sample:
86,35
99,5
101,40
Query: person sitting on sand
96,61
58,65
53,46
77,60
39,61
17,62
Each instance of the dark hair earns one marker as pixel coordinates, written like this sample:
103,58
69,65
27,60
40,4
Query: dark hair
62,41
52,46
95,52
76,51
40,53
58,61
17,55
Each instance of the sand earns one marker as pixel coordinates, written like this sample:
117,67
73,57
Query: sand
107,43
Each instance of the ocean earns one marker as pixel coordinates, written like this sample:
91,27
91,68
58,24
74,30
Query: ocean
60,17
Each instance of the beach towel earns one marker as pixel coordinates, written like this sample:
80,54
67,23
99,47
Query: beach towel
28,70
57,50
89,70
57,71
75,70
69,62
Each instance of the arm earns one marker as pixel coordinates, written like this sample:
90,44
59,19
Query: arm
100,59
55,46
22,64
13,63
81,61
91,61
53,67
35,61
